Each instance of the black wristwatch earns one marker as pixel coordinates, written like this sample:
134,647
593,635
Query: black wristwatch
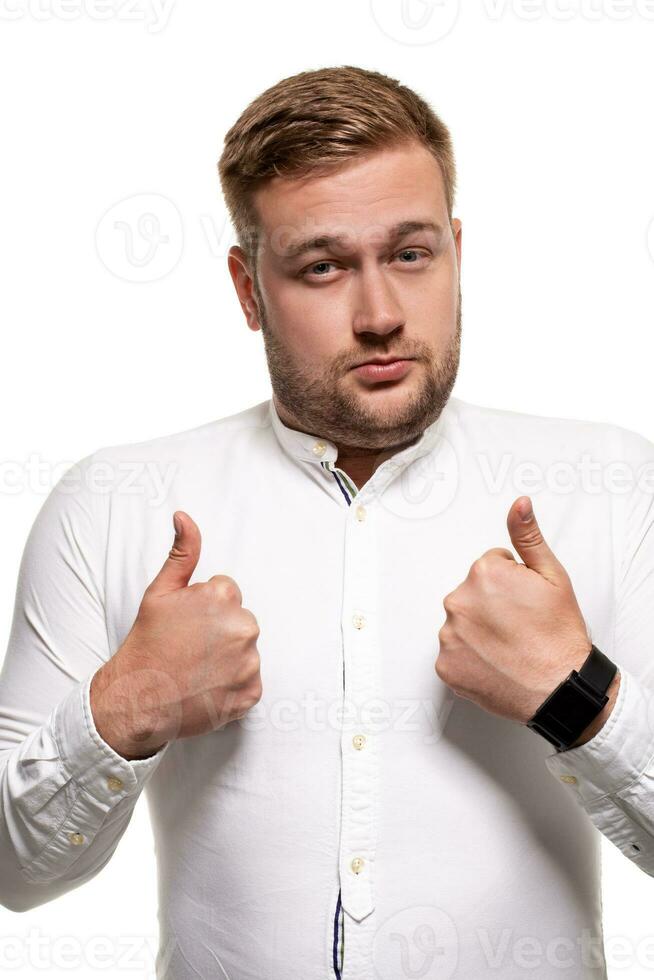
578,699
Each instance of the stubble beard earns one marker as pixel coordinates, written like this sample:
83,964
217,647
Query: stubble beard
324,406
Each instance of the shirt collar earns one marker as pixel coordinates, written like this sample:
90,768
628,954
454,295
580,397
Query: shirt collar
315,448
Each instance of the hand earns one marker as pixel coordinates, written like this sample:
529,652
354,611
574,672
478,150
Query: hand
189,664
512,631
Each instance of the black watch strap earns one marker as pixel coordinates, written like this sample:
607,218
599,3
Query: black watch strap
598,670
577,700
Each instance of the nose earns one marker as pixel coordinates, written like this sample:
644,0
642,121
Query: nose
377,309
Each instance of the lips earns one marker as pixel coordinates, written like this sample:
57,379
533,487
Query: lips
384,371
383,360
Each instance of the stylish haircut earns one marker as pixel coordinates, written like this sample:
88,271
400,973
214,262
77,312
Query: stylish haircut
315,121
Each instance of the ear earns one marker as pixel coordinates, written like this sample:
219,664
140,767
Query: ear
456,232
239,270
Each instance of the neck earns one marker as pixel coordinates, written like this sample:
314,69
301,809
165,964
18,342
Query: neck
360,464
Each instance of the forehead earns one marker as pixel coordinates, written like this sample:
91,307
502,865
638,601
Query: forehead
382,187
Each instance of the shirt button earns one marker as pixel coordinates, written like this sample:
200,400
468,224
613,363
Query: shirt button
361,513
319,448
357,865
359,741
358,621
113,782
568,779
76,838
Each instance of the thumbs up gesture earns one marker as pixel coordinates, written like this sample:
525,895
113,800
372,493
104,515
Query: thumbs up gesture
512,631
189,664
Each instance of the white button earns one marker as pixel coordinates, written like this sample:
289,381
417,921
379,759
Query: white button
358,621
319,448
568,779
357,865
114,782
359,741
76,838
361,513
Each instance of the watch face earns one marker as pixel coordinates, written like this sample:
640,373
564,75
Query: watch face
569,709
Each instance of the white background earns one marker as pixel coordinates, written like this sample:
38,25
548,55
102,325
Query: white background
549,105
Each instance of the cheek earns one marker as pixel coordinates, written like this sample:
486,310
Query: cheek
310,323
429,303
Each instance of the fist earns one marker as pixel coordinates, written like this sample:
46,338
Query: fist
513,631
189,664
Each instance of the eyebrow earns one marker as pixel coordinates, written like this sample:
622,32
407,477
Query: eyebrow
398,231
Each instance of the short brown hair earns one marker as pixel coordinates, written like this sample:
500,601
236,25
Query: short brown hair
313,121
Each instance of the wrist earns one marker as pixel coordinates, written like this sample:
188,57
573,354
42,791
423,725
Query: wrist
113,720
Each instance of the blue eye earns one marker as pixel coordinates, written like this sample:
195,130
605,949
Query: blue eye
317,264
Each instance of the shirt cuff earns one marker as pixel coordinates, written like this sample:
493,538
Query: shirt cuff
618,753
94,765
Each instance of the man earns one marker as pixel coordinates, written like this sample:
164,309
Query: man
341,722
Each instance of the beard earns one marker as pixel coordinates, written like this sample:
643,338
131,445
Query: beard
324,406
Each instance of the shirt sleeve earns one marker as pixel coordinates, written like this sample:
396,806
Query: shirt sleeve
612,775
66,797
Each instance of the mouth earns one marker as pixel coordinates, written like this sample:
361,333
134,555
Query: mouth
391,359
383,369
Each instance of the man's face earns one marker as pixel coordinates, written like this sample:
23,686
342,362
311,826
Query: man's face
380,291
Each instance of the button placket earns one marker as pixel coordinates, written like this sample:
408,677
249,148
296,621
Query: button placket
360,769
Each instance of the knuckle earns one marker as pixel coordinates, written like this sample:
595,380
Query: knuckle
248,668
450,603
480,566
247,630
253,627
254,663
249,700
225,588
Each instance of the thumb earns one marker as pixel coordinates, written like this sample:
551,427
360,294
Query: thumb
182,557
528,541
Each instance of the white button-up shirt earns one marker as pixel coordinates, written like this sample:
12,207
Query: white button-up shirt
361,821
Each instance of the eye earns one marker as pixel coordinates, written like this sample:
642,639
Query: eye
411,251
316,265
